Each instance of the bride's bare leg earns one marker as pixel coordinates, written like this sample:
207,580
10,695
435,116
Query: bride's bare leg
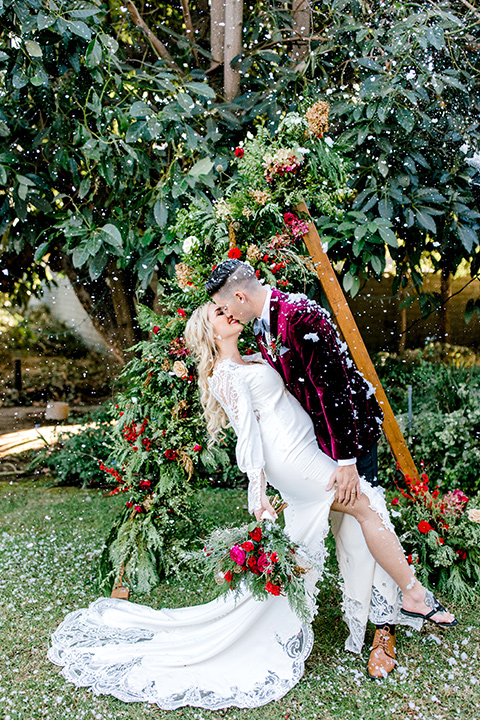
387,551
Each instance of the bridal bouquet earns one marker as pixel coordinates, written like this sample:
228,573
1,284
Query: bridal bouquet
260,557
441,535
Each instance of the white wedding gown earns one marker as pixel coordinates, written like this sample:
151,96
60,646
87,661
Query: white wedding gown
236,652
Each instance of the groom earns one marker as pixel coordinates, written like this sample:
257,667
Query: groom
296,337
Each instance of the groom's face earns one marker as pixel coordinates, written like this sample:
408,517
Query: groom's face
235,304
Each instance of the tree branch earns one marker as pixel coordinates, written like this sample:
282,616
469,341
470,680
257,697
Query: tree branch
157,44
190,31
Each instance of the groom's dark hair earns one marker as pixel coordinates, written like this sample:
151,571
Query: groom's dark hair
234,270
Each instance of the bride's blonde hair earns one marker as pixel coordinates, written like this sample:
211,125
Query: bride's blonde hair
200,339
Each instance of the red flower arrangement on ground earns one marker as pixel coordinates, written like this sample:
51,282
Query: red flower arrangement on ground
438,535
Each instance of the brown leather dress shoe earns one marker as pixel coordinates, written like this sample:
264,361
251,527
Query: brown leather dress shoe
382,658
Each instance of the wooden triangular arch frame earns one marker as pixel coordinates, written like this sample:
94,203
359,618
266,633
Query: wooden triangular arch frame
348,327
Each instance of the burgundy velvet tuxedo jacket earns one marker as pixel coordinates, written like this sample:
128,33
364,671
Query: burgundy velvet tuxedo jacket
307,352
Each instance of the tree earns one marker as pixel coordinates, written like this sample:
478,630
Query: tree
107,130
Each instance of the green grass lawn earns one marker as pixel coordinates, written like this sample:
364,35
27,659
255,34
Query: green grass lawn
50,538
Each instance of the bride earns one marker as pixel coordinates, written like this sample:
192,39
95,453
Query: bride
239,651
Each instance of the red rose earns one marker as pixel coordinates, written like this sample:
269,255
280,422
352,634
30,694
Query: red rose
197,447
129,504
424,527
256,534
252,565
440,541
239,152
170,454
257,274
181,312
138,508
248,546
289,218
272,589
145,484
234,253
395,501
274,557
410,559
229,576
461,554
155,329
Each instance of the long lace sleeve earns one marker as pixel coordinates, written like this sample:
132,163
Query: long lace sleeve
230,388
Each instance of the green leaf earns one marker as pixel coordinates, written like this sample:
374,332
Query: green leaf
41,251
388,236
84,188
97,265
94,53
160,212
360,231
426,221
80,255
135,131
79,28
109,43
201,89
44,20
469,310
111,235
140,110
378,264
406,302
406,119
3,175
468,237
435,37
186,102
33,48
202,167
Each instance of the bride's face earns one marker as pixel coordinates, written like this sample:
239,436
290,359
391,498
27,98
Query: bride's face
224,327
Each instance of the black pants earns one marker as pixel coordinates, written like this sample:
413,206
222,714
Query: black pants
367,465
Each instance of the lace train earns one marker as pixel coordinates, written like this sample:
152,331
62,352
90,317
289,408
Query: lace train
87,648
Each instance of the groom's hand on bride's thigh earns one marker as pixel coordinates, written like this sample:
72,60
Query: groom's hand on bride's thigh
347,480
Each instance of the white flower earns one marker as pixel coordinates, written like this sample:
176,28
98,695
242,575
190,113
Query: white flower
189,243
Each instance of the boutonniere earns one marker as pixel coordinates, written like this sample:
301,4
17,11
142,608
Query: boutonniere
274,346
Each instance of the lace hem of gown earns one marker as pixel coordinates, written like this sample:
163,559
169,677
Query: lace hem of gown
78,642
386,596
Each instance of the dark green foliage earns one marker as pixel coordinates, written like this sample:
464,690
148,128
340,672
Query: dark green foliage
445,428
75,459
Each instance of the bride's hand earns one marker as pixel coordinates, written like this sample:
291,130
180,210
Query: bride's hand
266,505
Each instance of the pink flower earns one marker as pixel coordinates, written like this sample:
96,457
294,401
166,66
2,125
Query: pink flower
395,501
181,312
237,555
155,329
263,562
197,448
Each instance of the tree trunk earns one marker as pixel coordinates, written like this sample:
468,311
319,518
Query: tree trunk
109,301
217,31
302,18
445,295
233,46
